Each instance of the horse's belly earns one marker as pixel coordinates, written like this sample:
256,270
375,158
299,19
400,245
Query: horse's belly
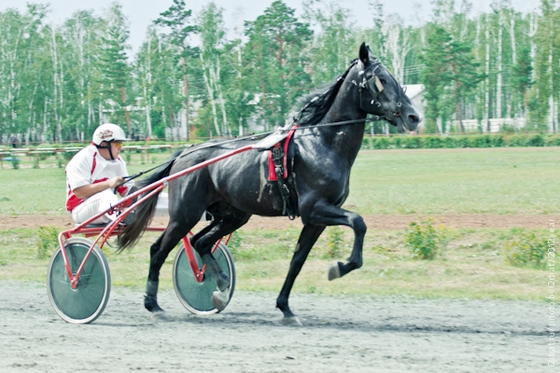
245,186
263,200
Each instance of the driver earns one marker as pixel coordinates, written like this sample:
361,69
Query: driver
92,175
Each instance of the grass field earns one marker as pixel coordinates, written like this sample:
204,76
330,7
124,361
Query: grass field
498,181
520,181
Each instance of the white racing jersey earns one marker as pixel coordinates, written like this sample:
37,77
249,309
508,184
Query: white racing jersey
89,167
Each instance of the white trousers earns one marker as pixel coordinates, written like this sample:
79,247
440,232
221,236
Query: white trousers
103,201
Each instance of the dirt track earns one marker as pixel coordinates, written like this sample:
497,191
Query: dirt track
384,222
340,334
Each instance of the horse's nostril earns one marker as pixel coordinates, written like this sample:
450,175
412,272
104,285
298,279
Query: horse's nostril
413,119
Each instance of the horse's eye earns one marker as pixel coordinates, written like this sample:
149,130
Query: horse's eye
383,81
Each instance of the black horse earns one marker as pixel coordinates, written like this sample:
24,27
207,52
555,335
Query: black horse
320,158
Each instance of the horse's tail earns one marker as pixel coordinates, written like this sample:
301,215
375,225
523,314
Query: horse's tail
145,211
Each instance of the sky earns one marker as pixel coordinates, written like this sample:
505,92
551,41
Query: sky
141,13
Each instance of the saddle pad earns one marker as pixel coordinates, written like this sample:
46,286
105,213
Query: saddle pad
271,140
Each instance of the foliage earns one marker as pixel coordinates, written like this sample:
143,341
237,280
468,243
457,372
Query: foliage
524,248
461,141
276,59
212,33
436,76
115,72
61,81
424,240
15,162
545,92
334,21
47,241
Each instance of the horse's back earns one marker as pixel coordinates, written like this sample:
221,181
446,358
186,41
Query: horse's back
241,180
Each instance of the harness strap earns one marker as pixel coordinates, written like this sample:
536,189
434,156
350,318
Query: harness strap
271,167
278,161
278,157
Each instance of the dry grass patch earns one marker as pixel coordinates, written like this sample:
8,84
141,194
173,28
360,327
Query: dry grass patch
472,266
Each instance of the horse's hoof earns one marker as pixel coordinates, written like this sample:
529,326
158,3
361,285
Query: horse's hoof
334,271
220,299
291,321
160,316
151,304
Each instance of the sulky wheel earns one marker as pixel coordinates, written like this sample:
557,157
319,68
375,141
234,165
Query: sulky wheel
87,301
197,296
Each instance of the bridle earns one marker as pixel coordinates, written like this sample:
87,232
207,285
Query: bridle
371,81
373,84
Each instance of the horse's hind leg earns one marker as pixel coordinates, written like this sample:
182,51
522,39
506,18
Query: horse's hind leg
204,244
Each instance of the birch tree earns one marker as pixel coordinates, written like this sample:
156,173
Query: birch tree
116,73
25,73
398,46
57,93
545,102
80,36
178,19
278,53
212,38
331,52
144,66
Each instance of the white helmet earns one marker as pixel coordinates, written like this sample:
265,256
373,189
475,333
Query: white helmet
108,132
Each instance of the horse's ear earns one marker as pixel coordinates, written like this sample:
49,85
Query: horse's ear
364,53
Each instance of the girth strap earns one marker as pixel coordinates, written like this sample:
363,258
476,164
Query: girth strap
278,157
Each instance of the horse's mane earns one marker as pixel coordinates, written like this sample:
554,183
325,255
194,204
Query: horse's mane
316,104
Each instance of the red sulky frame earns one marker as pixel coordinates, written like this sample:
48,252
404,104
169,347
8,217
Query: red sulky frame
112,228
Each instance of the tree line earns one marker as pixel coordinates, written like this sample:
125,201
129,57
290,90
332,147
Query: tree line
193,78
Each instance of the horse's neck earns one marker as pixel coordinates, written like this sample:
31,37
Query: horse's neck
345,139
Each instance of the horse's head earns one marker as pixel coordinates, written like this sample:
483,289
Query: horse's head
381,94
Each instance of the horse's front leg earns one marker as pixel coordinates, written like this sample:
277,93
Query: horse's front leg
307,239
355,261
327,214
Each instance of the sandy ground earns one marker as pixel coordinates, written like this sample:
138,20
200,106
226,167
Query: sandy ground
385,222
340,334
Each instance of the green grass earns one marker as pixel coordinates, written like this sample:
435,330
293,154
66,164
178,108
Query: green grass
472,266
43,191
489,181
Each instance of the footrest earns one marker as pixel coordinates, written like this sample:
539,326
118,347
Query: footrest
99,225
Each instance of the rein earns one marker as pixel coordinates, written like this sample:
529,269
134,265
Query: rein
251,137
370,82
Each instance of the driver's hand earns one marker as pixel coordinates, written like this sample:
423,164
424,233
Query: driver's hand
115,181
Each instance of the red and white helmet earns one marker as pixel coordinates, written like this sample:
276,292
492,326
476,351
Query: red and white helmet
108,132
